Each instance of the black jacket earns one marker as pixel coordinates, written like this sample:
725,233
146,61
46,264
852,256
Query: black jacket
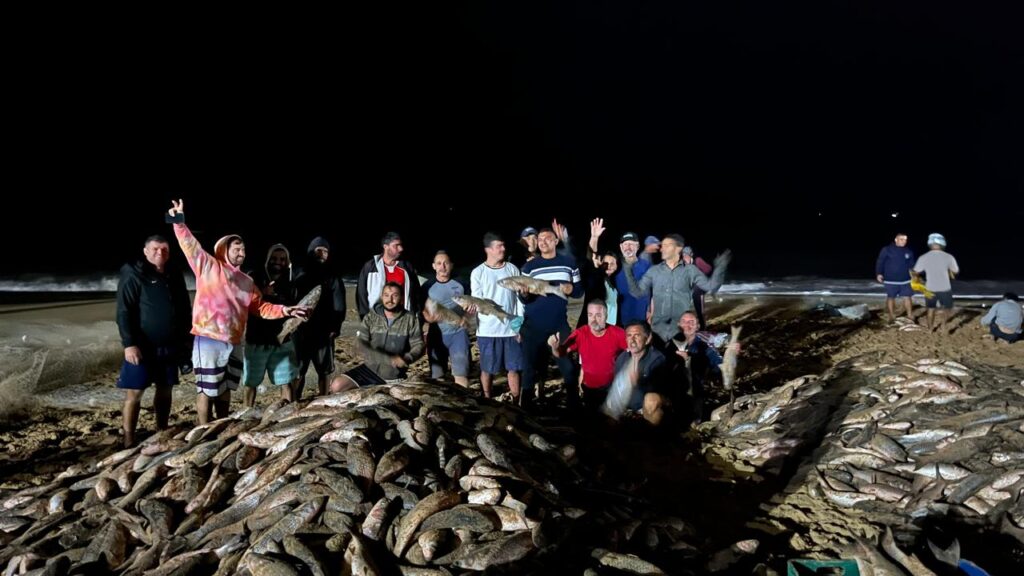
154,310
329,313
261,330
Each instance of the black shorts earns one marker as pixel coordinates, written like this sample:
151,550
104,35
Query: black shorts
318,351
945,299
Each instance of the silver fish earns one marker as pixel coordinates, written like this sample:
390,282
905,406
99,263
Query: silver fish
729,361
308,301
483,306
532,286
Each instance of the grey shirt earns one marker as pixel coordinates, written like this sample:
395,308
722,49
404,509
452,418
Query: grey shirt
672,291
1006,314
936,265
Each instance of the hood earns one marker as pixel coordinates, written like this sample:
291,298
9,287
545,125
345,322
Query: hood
220,249
318,242
287,254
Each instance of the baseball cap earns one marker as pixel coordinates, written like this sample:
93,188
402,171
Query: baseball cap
629,237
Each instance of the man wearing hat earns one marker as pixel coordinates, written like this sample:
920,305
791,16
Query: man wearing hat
632,308
939,268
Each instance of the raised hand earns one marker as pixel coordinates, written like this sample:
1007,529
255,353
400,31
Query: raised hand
177,207
597,227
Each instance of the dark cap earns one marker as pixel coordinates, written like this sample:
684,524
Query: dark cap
629,237
528,231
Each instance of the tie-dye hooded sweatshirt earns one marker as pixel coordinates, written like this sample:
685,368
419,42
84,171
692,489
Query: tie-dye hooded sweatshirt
224,294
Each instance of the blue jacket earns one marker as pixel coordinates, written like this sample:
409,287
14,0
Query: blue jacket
894,264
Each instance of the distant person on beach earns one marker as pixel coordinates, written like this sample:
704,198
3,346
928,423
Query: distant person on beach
598,344
446,341
939,268
154,317
1005,318
224,298
264,356
384,268
498,338
390,339
892,269
670,284
314,340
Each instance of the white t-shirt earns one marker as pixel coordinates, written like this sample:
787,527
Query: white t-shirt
936,265
483,283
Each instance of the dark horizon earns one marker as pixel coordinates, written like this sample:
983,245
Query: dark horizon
736,125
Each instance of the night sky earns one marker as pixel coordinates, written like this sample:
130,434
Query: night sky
734,125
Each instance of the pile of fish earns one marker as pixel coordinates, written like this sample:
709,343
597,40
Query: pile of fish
927,439
762,430
904,442
407,478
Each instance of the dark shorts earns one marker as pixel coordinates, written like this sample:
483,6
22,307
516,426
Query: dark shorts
945,299
316,350
593,398
1000,335
363,376
159,370
454,346
498,352
899,290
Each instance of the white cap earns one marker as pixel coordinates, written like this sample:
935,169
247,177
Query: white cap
937,238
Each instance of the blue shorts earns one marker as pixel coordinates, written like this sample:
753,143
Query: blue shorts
277,361
941,298
898,290
159,370
498,351
454,346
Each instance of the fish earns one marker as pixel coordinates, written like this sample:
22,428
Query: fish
309,301
532,286
484,306
728,366
442,314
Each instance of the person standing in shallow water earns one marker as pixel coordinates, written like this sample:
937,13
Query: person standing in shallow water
939,269
893,269
224,297
154,316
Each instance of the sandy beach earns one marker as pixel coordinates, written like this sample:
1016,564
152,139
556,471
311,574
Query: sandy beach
61,407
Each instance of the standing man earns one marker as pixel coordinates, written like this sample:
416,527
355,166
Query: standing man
670,283
383,268
498,340
314,340
892,269
939,268
446,340
264,355
154,316
224,297
546,315
633,308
